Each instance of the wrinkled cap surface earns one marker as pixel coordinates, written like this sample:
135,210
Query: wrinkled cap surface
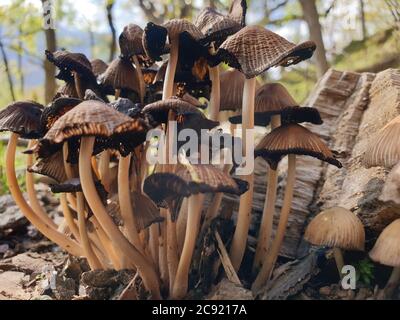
121,74
130,41
254,50
336,227
23,118
293,139
98,66
52,167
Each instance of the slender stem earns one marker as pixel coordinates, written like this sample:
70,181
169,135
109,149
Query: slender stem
172,250
133,255
168,88
48,231
239,240
69,172
153,243
69,218
181,224
162,251
140,76
78,85
272,255
392,283
32,195
104,169
124,196
265,233
337,253
215,93
193,225
94,263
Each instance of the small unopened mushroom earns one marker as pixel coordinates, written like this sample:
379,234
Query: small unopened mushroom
337,228
387,251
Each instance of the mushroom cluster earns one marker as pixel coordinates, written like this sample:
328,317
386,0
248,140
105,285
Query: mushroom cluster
121,211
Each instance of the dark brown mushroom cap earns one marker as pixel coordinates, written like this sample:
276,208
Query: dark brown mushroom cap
293,139
254,50
384,147
74,185
237,11
167,189
67,90
113,129
154,40
145,211
194,101
215,26
91,95
130,41
175,27
121,74
23,118
273,99
55,110
52,167
231,88
98,66
77,62
159,110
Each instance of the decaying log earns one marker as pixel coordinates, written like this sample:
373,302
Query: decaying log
357,188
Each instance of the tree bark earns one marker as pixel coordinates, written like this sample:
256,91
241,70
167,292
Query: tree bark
363,22
109,8
19,64
49,68
310,14
7,70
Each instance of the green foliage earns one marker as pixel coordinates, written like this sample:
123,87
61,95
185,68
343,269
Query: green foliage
365,271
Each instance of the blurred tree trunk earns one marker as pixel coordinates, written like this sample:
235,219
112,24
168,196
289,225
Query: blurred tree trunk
19,63
310,14
7,70
113,45
51,45
363,22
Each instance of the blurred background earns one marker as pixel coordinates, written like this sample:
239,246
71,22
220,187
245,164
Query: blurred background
358,35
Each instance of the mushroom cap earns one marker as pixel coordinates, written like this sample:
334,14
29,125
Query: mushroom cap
91,95
175,27
336,227
56,109
23,118
255,49
231,89
293,139
193,101
391,188
68,90
74,185
130,41
273,99
52,166
70,61
237,11
215,26
113,129
387,248
154,41
98,66
167,189
121,74
145,211
384,147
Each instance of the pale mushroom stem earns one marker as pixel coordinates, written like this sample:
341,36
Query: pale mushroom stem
78,85
32,195
69,219
243,222
181,224
153,242
337,253
162,251
180,286
48,231
134,257
124,196
172,250
215,93
168,87
265,233
140,76
272,255
94,263
104,169
392,283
